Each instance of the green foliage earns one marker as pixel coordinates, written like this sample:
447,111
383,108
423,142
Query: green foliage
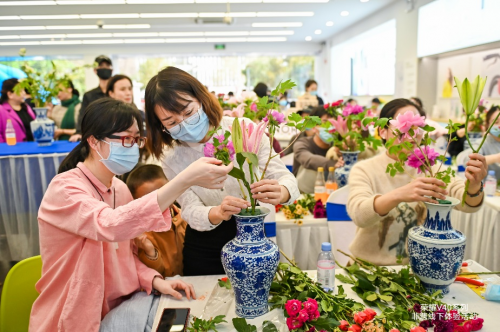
241,325
299,208
237,136
224,283
201,325
268,326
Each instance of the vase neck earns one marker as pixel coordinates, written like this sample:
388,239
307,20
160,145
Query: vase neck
438,218
350,158
250,230
41,113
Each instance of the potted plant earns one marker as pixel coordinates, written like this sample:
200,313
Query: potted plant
250,260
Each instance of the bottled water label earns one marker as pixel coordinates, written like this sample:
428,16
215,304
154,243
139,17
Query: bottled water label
326,273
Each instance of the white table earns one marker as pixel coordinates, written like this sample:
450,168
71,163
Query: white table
301,242
482,230
206,285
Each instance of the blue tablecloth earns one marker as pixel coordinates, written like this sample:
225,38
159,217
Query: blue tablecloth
33,148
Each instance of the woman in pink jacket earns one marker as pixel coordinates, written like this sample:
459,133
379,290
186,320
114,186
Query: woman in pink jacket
87,219
13,107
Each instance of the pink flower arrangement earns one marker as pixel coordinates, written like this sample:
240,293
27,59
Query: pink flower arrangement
406,121
236,112
252,135
350,109
222,150
340,125
301,313
417,159
253,107
278,117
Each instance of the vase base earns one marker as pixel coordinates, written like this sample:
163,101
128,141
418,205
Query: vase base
445,289
252,312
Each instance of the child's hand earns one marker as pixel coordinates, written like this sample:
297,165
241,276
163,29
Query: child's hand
142,242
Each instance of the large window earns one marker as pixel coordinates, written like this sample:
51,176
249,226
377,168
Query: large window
365,64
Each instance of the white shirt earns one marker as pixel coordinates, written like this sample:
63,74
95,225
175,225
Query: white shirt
196,202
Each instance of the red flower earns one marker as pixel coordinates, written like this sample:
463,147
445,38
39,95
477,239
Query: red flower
360,317
326,106
467,327
293,307
312,329
303,316
477,324
354,328
417,308
311,306
293,323
394,330
314,315
370,313
344,325
417,329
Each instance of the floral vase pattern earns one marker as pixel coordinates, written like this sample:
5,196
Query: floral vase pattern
42,127
250,261
436,249
342,173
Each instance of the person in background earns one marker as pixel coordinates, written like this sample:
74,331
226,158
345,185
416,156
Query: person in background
230,94
351,102
66,114
310,98
417,101
376,105
120,88
161,251
384,208
13,107
88,218
439,129
104,70
28,99
306,133
260,90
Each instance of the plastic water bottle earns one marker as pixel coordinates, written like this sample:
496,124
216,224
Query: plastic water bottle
331,185
319,186
326,267
490,186
10,133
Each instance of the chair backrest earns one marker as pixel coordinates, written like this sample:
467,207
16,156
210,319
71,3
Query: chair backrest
462,158
336,205
18,295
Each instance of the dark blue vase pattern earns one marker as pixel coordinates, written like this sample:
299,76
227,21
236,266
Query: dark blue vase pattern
436,249
42,128
342,173
250,261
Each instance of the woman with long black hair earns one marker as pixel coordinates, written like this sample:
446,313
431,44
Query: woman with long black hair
87,219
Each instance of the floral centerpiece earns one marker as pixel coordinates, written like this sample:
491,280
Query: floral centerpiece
299,208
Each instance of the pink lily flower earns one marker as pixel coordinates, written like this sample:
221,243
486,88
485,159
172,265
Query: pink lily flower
252,135
236,112
340,125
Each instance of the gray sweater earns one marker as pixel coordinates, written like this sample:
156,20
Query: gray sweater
310,156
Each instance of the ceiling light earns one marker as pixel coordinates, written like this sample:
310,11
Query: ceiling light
267,39
89,35
126,26
271,33
103,41
329,24
181,34
22,43
230,1
296,1
98,16
22,28
317,32
60,42
91,2
49,17
9,18
228,33
9,37
308,38
212,15
344,13
364,0
137,34
243,14
71,27
277,25
167,15
226,40
157,2
27,3
184,40
144,41
284,14
42,36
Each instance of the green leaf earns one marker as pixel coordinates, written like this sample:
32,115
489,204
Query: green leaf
344,279
295,117
428,128
237,173
300,287
219,319
324,305
241,325
353,268
386,298
268,326
325,323
295,270
251,157
302,296
371,297
364,283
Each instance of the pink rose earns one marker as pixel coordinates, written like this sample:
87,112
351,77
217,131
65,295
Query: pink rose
406,121
354,328
352,110
360,318
293,307
311,306
303,316
314,316
370,314
293,323
477,324
344,325
209,150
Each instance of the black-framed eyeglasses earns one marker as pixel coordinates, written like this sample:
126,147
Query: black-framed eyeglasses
129,141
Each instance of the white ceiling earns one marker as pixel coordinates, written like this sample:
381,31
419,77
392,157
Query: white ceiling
169,30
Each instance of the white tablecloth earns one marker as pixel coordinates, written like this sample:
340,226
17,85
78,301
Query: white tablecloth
482,230
206,285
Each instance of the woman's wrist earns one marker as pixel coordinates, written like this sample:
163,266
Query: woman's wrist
285,195
215,215
383,204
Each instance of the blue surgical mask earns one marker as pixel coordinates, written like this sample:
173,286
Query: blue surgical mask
121,160
314,93
325,136
495,131
192,133
283,102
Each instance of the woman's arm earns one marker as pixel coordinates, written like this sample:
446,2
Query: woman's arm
308,159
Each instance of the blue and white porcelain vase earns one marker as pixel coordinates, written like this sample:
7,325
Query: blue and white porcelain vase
250,261
436,249
42,127
342,173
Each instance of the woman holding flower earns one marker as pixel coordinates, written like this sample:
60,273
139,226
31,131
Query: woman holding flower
385,207
180,115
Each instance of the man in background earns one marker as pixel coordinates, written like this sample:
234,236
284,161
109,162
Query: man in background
104,71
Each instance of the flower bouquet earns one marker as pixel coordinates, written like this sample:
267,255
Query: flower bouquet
299,208
246,103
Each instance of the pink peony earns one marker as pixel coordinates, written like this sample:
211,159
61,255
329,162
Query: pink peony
417,159
303,316
370,313
340,125
352,110
344,325
293,307
311,306
360,318
406,121
277,116
477,324
293,323
209,150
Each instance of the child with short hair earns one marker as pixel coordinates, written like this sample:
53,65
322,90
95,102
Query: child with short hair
161,251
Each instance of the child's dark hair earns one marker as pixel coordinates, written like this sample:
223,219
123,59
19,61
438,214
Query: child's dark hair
143,174
102,118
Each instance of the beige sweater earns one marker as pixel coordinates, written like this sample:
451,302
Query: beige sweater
381,239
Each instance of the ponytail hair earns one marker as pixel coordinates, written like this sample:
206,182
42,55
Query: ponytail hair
102,118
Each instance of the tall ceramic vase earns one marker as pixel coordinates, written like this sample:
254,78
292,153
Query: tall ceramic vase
436,249
250,261
42,127
342,173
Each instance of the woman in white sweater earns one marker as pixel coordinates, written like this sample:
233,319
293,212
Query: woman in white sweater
180,112
384,208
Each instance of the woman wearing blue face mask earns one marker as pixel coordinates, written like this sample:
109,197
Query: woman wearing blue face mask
87,219
310,98
180,112
491,147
